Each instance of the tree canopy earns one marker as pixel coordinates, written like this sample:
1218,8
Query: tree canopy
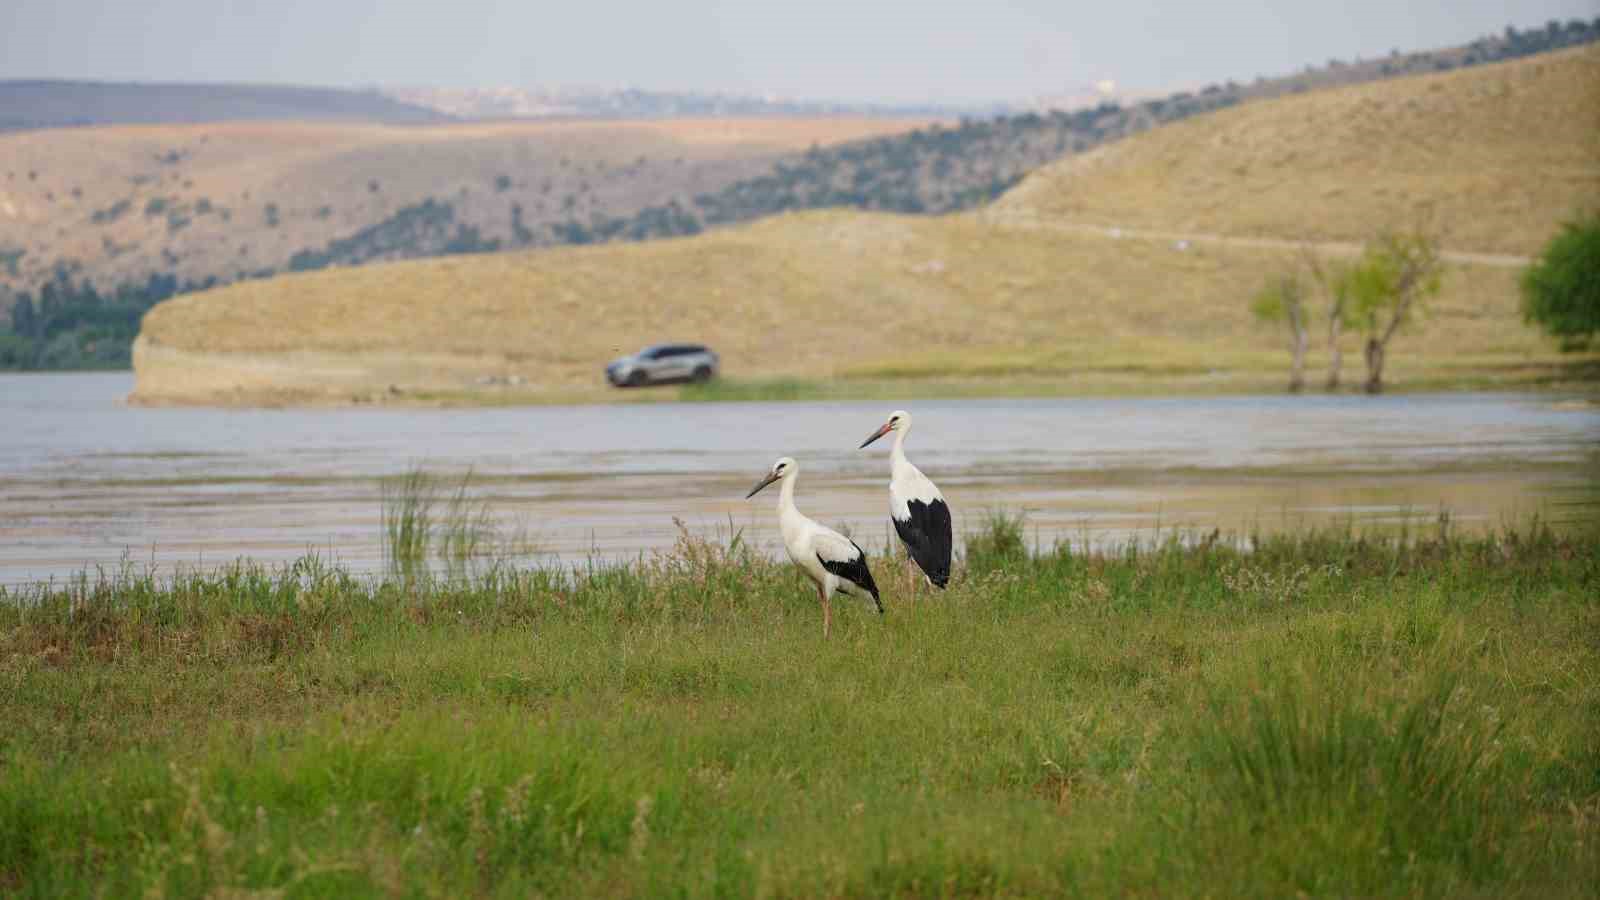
1279,298
1396,272
1561,290
1386,288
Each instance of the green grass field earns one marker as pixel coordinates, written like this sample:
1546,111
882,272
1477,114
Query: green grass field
1326,715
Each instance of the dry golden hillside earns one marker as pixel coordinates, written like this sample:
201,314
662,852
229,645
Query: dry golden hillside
116,204
816,295
1500,155
1500,151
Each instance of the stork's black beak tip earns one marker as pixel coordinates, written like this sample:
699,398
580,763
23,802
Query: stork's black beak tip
759,485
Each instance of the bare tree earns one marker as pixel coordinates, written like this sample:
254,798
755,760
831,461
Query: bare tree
1386,288
1282,299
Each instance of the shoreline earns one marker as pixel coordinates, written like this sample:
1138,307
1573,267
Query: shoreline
1575,378
1572,374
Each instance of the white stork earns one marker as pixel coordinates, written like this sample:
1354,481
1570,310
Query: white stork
920,515
832,561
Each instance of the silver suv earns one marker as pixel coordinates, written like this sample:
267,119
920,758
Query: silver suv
663,364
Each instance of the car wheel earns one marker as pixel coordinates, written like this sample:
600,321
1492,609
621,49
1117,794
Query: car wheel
635,379
702,374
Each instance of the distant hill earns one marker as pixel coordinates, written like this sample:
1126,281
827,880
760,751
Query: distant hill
1494,158
100,223
950,167
138,212
944,299
632,103
1001,292
55,104
942,169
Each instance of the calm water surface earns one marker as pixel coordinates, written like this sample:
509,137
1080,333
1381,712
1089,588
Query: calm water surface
86,481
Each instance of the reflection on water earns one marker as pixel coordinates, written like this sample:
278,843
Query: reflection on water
86,481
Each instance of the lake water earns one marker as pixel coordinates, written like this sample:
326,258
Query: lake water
87,481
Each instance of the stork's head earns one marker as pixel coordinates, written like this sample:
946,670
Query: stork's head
899,420
780,469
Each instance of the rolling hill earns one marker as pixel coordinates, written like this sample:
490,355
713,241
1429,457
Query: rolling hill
47,103
815,295
228,200
97,225
1495,157
163,207
998,293
635,103
943,169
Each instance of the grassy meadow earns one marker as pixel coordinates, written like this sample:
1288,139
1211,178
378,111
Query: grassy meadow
1325,714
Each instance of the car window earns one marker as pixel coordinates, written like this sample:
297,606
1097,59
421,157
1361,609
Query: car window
666,351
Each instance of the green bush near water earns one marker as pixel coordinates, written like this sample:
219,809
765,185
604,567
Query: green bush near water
1326,714
1561,290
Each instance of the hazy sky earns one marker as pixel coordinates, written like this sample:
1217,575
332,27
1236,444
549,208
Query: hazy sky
883,50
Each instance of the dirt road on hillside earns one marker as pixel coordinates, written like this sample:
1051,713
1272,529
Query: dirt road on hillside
1331,248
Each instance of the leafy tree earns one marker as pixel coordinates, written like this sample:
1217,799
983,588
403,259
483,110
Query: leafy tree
520,234
73,325
1335,280
1387,286
1561,290
24,320
16,352
9,258
1282,299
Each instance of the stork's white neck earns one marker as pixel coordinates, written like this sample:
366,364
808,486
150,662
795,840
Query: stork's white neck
786,491
790,521
898,454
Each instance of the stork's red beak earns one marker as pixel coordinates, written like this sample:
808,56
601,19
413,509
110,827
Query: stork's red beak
876,434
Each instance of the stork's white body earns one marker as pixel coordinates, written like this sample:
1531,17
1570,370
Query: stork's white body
810,544
920,514
833,562
907,483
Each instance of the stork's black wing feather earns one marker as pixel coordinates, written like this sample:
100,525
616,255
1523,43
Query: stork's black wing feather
926,534
855,571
